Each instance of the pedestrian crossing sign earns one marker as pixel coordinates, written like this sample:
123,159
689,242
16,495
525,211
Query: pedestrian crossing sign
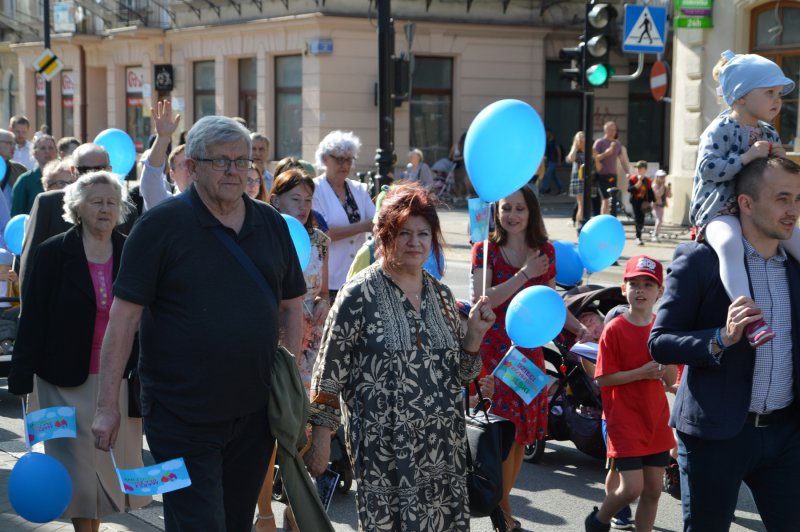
645,29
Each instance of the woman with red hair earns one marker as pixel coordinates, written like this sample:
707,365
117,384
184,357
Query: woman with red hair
392,364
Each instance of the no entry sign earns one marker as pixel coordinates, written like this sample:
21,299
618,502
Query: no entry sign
658,80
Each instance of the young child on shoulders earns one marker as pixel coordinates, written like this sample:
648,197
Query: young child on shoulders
752,87
635,405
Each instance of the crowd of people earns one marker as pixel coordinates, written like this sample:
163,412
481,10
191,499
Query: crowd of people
190,307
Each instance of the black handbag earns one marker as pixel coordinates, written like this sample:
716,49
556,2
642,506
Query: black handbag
489,440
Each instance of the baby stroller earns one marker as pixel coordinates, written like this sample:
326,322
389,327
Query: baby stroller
8,333
443,180
575,408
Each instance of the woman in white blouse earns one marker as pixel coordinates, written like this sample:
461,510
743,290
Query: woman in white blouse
345,203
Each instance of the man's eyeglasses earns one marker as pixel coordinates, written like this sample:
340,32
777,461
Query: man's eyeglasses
6,142
342,160
86,169
224,164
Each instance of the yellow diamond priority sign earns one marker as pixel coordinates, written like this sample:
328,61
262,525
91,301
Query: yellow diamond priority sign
48,64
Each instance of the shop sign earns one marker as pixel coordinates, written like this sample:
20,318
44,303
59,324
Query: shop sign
693,14
134,80
165,78
68,83
39,79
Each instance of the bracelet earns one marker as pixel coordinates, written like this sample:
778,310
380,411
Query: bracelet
718,338
525,274
471,353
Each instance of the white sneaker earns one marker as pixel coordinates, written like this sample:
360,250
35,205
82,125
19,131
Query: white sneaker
654,238
639,242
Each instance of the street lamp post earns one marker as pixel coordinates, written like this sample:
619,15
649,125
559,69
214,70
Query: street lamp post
48,111
384,157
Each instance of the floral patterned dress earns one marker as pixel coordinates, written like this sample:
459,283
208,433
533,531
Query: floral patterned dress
312,334
529,420
399,374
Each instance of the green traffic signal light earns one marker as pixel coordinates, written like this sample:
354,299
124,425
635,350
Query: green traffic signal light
598,75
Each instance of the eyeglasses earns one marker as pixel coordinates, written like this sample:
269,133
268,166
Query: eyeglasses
342,160
6,142
253,182
60,183
224,164
86,169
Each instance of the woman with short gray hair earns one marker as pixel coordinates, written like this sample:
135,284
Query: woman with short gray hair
345,204
67,303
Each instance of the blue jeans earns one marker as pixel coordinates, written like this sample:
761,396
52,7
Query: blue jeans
550,174
767,459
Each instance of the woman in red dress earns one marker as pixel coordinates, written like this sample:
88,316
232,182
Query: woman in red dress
519,256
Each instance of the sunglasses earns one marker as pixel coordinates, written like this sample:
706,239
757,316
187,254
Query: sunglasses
86,169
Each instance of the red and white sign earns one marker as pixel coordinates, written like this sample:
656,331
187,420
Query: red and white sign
134,80
659,80
39,79
68,83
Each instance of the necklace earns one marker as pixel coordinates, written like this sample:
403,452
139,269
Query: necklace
415,295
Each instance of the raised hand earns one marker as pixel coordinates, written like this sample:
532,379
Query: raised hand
162,118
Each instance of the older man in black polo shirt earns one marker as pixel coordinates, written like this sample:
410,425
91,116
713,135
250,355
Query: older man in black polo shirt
211,275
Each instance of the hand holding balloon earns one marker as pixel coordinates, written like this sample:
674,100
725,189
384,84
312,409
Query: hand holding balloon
481,318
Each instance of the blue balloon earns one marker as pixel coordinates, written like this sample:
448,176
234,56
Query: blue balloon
432,266
302,243
121,150
39,488
535,316
503,148
14,232
600,242
3,168
569,268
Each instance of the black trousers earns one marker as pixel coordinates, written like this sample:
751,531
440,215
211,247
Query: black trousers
638,217
227,462
767,459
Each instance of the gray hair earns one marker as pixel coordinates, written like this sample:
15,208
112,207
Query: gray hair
75,194
260,136
337,143
56,166
214,130
44,138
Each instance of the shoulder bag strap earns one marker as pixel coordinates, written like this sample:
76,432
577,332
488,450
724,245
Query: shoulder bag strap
238,253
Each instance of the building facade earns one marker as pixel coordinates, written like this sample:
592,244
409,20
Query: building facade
297,69
769,28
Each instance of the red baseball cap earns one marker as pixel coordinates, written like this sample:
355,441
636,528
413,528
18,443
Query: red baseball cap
642,265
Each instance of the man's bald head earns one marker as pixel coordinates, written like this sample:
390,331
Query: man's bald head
89,157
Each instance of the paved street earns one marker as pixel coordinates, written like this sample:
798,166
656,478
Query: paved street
553,495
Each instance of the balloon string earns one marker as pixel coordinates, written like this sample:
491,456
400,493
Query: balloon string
116,469
485,263
486,248
25,424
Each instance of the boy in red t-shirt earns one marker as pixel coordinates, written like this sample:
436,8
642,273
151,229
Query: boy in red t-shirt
634,402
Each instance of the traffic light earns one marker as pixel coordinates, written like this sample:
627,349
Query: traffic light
599,35
575,73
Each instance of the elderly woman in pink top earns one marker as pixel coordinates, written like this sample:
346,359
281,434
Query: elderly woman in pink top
58,344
